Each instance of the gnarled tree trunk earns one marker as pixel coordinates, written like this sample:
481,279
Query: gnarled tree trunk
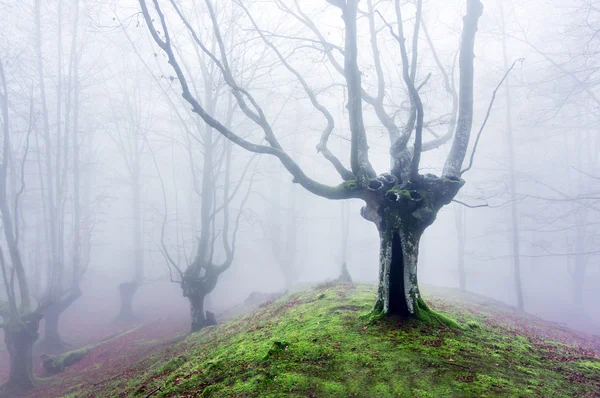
197,311
401,215
398,256
19,338
195,289
52,339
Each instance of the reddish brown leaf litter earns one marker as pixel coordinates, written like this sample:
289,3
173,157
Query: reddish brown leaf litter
111,360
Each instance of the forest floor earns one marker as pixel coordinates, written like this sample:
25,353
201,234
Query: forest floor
319,343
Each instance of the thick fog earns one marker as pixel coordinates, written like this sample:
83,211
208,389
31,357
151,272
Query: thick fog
108,167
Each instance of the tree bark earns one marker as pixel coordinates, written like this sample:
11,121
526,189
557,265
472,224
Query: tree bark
401,216
195,289
127,291
19,339
197,312
52,340
398,256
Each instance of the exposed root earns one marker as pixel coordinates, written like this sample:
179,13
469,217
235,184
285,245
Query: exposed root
424,313
376,314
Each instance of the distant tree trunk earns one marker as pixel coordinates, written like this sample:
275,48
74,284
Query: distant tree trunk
62,298
579,271
284,240
344,233
578,279
20,326
513,184
52,339
127,291
460,240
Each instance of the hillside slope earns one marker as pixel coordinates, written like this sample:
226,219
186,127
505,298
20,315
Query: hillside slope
316,343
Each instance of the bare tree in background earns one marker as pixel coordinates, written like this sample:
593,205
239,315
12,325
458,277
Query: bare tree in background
514,210
61,161
282,230
401,203
132,116
216,190
20,321
460,216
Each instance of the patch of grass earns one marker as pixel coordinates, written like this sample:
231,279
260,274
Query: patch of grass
590,365
318,343
473,325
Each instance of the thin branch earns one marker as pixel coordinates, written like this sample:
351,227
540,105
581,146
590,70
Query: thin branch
487,115
322,146
338,192
164,223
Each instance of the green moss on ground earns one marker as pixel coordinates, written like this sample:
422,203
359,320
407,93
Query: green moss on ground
319,343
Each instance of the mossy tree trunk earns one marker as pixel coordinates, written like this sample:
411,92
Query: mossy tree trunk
398,258
127,292
401,215
197,311
19,338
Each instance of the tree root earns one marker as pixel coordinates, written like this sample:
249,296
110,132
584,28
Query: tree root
424,313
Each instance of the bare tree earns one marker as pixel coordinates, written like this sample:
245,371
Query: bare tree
20,321
282,230
131,126
515,243
61,149
401,203
216,188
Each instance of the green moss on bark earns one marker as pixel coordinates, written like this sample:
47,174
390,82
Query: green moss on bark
57,363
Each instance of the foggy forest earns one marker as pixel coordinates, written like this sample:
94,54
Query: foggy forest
303,198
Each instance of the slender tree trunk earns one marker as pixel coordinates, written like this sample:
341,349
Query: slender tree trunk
578,279
513,184
580,269
460,238
127,290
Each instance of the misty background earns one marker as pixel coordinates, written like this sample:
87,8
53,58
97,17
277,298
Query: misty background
533,192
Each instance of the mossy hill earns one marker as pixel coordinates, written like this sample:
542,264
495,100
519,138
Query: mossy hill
320,343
